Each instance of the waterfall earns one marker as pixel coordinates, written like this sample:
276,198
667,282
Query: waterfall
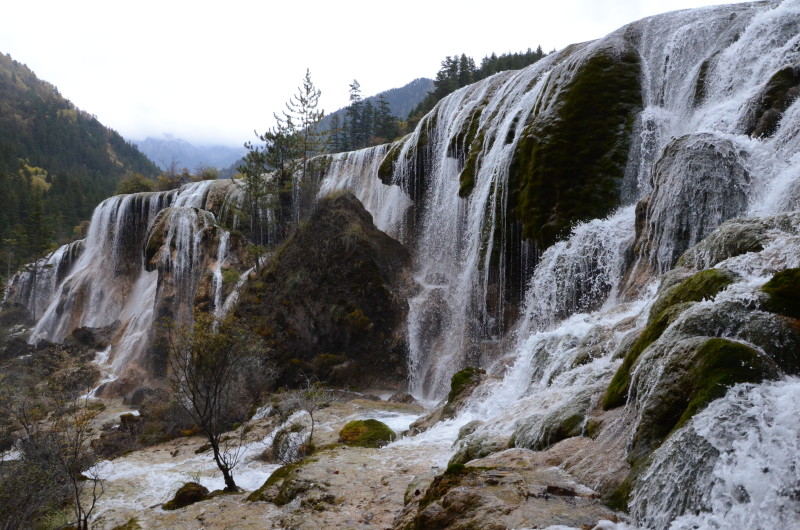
737,464
692,165
549,309
114,278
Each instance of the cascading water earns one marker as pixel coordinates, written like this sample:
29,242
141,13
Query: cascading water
550,320
703,73
110,280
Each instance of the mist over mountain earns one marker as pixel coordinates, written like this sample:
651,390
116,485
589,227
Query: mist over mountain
177,152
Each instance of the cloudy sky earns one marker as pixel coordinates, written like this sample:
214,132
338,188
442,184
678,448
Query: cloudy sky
212,72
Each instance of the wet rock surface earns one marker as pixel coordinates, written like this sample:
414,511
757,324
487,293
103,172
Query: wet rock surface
510,489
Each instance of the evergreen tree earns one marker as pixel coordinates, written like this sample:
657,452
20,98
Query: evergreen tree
353,115
303,113
365,124
460,71
276,173
336,140
386,126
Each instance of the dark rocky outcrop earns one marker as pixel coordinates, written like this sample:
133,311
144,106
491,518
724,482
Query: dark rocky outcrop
332,302
766,108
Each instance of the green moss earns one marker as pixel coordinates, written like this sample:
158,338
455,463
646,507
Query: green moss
568,167
386,169
230,276
713,367
569,427
619,498
784,293
283,480
470,170
668,307
722,363
593,428
366,433
703,285
461,380
617,392
452,477
455,469
467,145
189,493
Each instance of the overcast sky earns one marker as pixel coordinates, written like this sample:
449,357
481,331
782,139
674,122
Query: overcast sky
211,72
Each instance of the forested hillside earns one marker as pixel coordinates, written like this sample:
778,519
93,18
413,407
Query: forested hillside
57,163
389,115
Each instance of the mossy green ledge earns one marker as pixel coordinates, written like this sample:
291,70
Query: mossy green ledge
570,161
666,309
783,293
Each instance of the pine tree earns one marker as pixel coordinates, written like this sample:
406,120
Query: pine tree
366,124
353,115
386,127
303,113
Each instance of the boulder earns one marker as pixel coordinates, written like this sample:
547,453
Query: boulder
189,493
509,489
366,433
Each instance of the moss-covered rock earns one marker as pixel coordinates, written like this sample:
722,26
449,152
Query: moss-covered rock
767,108
696,371
473,447
732,238
666,309
541,431
386,169
461,385
617,392
505,490
703,285
189,493
333,302
467,147
570,161
282,486
366,433
783,293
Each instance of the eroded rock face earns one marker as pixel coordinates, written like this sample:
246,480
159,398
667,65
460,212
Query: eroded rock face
739,236
766,109
699,182
510,489
332,304
191,255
